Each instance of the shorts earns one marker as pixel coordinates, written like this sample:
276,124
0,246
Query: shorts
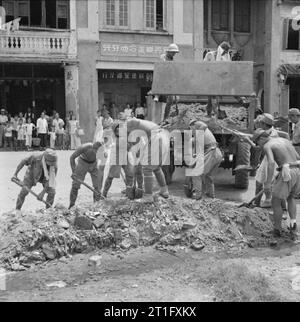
284,190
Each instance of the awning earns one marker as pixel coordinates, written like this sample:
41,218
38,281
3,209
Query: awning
289,70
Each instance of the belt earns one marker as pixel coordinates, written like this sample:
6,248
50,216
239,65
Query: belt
297,144
292,166
86,161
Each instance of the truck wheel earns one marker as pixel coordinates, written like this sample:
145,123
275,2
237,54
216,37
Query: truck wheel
242,158
168,172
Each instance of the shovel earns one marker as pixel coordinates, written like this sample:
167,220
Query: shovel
250,204
87,186
21,184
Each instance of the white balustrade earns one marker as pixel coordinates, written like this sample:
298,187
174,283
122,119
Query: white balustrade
34,43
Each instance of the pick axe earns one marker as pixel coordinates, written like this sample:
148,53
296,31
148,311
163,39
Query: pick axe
97,193
22,185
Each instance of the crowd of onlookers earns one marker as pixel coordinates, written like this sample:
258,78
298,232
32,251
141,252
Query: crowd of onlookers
27,131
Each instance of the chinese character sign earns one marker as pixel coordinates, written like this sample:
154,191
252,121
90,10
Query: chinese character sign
133,50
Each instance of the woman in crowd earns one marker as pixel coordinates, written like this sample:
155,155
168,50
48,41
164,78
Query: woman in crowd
98,136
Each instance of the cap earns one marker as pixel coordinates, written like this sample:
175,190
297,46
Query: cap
294,111
2,110
260,134
50,157
267,119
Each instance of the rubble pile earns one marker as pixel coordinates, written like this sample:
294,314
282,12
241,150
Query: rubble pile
182,114
208,225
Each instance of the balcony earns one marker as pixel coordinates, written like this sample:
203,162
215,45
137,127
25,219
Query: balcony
40,45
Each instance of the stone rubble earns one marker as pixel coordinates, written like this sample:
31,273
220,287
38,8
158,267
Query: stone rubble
34,238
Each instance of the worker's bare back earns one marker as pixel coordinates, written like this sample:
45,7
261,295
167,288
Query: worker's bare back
282,150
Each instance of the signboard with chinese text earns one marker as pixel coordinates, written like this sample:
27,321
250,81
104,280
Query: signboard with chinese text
132,50
120,75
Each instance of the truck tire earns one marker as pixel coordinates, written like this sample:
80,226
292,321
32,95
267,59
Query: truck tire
242,158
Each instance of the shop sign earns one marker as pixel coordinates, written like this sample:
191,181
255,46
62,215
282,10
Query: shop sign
127,75
134,50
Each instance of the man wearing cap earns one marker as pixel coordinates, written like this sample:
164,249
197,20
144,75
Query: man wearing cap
3,122
42,168
286,185
168,56
86,156
212,160
294,116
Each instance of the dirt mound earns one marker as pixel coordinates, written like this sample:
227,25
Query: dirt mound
34,238
182,114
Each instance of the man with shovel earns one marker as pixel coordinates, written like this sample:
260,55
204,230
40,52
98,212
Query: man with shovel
86,156
41,168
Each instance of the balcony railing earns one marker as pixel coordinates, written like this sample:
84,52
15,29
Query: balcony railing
38,44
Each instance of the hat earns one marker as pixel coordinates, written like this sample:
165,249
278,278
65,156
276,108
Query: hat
2,110
267,119
50,157
294,111
173,48
258,134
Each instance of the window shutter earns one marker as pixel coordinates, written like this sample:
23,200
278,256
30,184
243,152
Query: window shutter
285,33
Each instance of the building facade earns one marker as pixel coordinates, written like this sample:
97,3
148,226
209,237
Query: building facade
80,54
38,56
118,43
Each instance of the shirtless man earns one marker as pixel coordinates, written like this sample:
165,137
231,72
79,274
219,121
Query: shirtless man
286,186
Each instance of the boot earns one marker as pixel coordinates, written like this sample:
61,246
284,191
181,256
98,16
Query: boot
107,186
130,193
164,192
210,188
160,177
139,193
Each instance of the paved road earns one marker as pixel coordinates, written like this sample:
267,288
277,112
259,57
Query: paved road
9,190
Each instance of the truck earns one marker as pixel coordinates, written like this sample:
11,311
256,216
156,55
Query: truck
193,83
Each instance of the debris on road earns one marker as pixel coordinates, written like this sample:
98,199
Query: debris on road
209,225
59,284
95,261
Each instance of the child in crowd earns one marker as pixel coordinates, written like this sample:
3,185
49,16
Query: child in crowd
29,129
21,135
60,132
52,137
8,135
15,124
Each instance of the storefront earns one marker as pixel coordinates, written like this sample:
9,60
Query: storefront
39,86
124,86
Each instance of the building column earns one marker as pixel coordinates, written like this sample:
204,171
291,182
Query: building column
273,49
72,88
198,34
